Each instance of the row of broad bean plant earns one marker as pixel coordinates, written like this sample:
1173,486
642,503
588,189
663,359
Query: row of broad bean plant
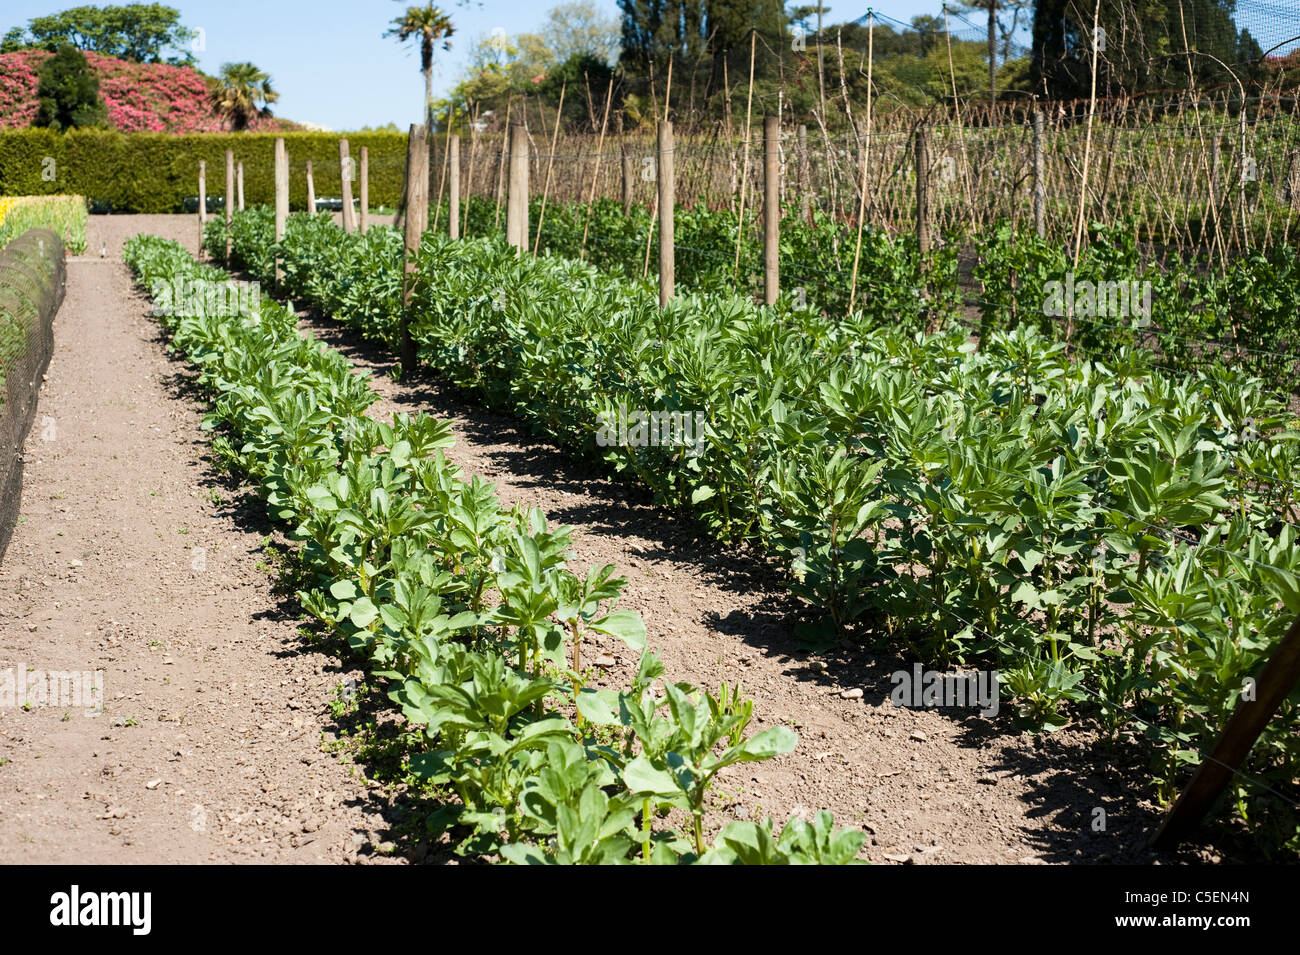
816,254
1245,316
1120,543
471,613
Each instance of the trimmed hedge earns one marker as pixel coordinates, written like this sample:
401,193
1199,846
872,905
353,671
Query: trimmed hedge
156,172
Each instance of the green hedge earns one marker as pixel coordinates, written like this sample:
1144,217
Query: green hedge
156,172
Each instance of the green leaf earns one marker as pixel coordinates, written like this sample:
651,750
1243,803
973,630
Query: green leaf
363,612
627,625
642,778
702,493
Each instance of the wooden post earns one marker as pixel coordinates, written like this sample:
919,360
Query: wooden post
203,195
628,171
1040,188
239,185
345,174
453,187
771,209
365,189
417,220
922,192
230,196
517,199
805,173
311,190
923,219
1275,681
664,175
281,197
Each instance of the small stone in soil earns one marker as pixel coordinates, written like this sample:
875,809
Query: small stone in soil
853,694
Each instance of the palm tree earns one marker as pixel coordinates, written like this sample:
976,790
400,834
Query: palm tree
430,25
242,87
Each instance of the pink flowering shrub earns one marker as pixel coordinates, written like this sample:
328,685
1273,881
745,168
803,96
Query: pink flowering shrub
140,97
18,82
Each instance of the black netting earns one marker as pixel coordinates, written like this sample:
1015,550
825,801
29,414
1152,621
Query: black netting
33,273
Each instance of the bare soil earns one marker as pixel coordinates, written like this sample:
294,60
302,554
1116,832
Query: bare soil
215,741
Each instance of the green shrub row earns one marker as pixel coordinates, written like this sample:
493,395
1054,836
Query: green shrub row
1118,543
471,613
157,172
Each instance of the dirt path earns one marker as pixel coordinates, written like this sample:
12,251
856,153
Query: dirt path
131,558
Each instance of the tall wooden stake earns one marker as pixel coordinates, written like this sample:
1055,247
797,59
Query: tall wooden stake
230,196
442,183
923,212
345,174
365,189
453,186
311,190
1040,188
667,198
203,197
805,173
417,219
771,209
281,198
628,171
866,160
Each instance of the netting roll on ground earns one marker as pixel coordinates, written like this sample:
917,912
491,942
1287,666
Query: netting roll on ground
33,274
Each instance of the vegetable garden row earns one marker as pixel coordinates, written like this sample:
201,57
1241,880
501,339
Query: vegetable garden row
1117,542
1246,315
469,611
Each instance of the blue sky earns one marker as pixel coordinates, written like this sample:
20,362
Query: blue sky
330,62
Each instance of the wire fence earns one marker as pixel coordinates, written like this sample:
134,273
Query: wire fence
33,271
1205,176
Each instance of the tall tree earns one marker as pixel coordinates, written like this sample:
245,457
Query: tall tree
69,92
428,25
242,86
139,32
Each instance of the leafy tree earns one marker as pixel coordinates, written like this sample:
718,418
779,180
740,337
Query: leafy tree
1142,46
580,28
241,87
429,25
69,92
686,30
139,32
578,70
